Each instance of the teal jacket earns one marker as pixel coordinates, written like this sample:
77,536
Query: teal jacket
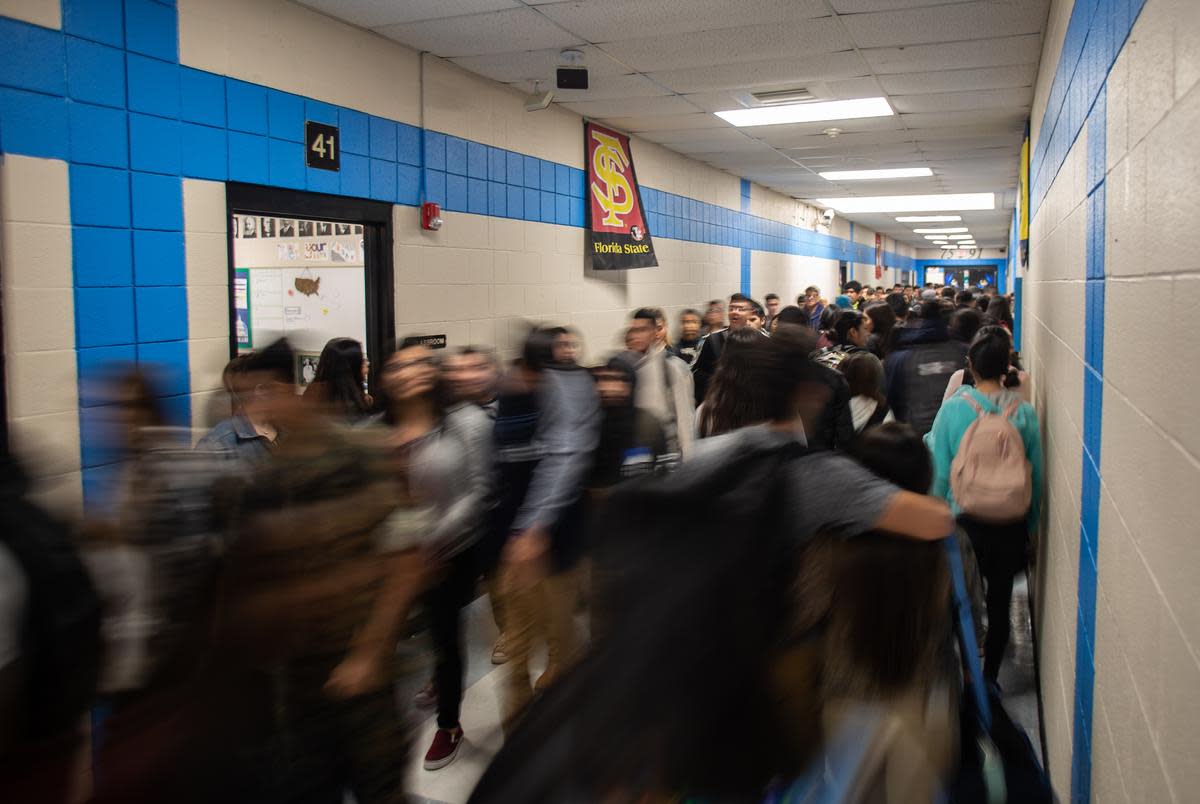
953,419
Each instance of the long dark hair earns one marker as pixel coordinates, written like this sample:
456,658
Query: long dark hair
864,375
846,321
999,311
883,324
992,357
757,379
337,384
739,392
965,322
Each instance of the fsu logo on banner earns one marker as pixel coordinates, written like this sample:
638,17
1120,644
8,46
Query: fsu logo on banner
617,233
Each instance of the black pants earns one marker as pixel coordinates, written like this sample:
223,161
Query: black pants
445,600
1000,552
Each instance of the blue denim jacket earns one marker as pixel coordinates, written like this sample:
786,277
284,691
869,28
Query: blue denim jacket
237,438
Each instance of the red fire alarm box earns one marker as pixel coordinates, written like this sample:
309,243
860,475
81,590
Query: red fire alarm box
431,216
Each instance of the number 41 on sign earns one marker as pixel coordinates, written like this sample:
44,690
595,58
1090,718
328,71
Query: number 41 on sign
321,146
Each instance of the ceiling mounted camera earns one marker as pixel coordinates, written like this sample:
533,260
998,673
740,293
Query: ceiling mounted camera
538,100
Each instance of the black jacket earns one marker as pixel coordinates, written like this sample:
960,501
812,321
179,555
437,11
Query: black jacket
918,371
834,428
705,364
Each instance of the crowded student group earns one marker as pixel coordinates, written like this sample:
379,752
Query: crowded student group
253,589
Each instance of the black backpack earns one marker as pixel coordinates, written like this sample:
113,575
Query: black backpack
690,598
61,642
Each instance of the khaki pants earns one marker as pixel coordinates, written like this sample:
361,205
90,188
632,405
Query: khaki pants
546,608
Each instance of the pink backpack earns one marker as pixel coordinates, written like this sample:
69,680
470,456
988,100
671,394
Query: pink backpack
990,477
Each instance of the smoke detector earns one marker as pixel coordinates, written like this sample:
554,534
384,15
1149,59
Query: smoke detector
832,132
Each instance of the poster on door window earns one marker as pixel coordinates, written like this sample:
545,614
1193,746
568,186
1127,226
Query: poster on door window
241,308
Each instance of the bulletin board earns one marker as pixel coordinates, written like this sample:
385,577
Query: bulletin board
303,279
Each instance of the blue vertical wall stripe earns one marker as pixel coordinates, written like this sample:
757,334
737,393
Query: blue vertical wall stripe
1093,408
1096,32
746,252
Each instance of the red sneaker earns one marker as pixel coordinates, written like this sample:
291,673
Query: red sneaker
446,743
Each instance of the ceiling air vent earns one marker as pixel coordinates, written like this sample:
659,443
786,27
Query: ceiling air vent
777,97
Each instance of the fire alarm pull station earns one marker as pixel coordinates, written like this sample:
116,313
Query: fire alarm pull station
431,216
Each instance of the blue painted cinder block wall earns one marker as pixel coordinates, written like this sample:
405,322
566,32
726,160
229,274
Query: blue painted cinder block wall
107,95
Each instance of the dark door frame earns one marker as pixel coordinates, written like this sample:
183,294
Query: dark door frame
376,220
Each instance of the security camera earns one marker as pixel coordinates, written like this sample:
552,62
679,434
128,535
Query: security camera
827,217
538,100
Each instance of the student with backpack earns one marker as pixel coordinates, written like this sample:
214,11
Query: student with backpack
987,453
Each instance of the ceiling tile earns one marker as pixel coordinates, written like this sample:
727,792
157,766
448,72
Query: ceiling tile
730,45
981,117
716,146
652,122
1021,75
984,134
1019,98
767,74
860,6
942,23
475,34
374,13
529,64
853,88
617,20
670,105
790,130
997,52
601,87
685,135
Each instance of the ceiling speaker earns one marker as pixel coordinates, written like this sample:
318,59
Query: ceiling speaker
572,78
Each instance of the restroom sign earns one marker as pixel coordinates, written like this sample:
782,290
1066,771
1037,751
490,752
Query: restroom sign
322,146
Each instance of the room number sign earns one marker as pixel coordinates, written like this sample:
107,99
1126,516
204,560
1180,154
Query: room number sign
322,146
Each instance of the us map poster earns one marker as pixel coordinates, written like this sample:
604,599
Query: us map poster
617,232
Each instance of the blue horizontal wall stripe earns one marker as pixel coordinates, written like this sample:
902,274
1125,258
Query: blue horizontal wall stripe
108,95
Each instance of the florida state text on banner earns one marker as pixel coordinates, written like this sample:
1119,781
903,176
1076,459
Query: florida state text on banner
617,233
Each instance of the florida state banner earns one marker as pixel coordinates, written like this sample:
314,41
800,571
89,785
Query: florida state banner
617,233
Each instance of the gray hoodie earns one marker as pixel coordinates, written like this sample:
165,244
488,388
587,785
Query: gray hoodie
567,433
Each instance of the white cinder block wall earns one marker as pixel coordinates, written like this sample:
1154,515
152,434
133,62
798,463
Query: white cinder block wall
39,326
1146,713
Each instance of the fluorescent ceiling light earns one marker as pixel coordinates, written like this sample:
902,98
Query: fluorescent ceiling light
946,230
928,218
941,242
883,173
948,202
966,242
808,112
950,245
936,237
960,237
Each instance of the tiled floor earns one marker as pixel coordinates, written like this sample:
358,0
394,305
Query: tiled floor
1016,674
480,714
481,704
